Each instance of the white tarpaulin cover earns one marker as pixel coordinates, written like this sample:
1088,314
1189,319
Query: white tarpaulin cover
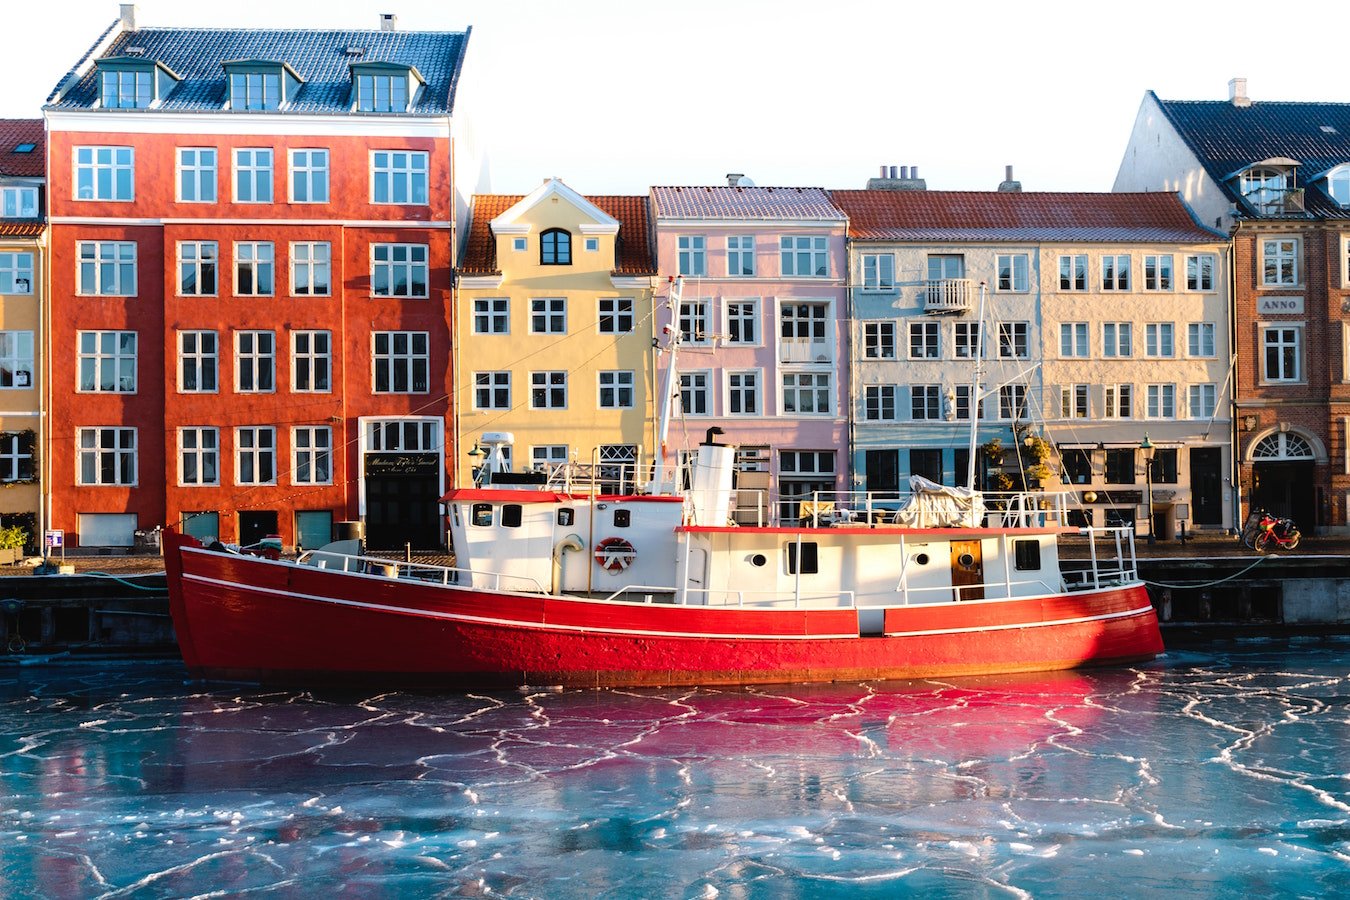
934,505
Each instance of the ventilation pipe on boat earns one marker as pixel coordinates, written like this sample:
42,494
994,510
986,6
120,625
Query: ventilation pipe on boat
573,543
710,484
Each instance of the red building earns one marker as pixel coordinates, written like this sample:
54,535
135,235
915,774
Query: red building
252,244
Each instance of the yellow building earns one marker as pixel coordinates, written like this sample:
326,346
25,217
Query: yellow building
22,288
553,334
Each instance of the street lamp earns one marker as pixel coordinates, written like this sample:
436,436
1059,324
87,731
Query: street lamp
1148,451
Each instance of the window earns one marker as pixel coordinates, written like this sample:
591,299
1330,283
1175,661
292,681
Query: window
1158,339
1073,401
616,315
878,271
693,255
1282,353
1158,273
126,89
382,93
492,315
399,270
967,340
616,390
1200,338
923,340
107,362
741,255
946,266
107,268
548,390
1265,189
742,321
399,176
1203,400
1012,272
255,362
1338,185
1117,340
197,362
312,446
1077,464
743,393
696,321
1073,272
104,173
311,362
255,90
491,390
1027,556
16,359
803,557
1162,401
806,393
197,262
925,402
253,269
253,175
1119,401
197,174
1073,339
1199,273
592,245
1279,262
1014,340
879,340
107,456
520,243
18,202
309,176
401,362
16,456
960,402
1120,465
1012,401
1164,465
1115,273
696,393
555,248
255,455
311,269
805,257
802,473
879,402
804,329
199,457
16,273
547,457
548,315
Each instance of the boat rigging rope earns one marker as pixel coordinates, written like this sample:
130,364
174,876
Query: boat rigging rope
119,580
1206,584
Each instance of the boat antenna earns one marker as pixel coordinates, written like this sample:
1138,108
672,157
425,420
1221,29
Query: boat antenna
673,338
974,405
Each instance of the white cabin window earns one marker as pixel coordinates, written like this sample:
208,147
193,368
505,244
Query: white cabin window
482,515
1027,556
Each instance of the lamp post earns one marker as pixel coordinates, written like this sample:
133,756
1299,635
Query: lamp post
1148,450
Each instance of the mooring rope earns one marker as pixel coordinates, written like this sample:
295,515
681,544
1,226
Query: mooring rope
1205,584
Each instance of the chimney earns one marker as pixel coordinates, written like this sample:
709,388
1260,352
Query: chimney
1237,92
1009,186
127,18
892,173
388,22
734,178
897,178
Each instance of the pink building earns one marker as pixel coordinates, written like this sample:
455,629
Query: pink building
764,352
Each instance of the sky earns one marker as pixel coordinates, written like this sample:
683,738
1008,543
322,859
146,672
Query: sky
613,96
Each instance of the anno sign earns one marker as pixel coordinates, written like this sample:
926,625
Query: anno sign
401,463
1271,306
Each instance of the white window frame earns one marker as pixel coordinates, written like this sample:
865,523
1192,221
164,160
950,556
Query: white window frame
619,311
308,363
1118,397
199,361
491,315
878,272
879,402
742,384
742,313
255,91
396,173
1160,340
1161,401
1202,400
925,399
93,163
592,245
1265,329
309,175
546,457
741,250
257,259
95,256
966,340
410,260
696,321
1201,340
16,270
1075,401
1158,273
1280,258
200,176
255,445
199,258
696,392
613,385
1117,340
255,361
1010,334
382,92
816,385
311,454
17,360
553,384
493,387
1074,340
104,353
878,338
201,451
1012,278
549,312
18,201
89,446
400,366
255,173
1012,402
1073,269
929,343
809,249
309,260
1200,269
1116,272
692,255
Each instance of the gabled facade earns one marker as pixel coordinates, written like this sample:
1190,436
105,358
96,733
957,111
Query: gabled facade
1276,177
22,296
1091,338
764,336
554,331
254,237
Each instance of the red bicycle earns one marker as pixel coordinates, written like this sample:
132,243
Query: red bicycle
1264,531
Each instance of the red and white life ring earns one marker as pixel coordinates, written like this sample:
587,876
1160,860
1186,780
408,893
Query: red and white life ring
615,555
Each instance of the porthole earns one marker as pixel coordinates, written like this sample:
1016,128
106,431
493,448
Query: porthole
922,559
966,560
759,559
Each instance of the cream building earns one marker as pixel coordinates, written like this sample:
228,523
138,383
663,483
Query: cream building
554,329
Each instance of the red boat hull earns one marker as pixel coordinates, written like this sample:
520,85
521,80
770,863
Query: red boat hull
241,618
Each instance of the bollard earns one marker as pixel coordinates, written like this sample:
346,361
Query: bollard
11,607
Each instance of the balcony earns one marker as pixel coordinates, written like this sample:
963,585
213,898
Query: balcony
803,350
947,297
1277,203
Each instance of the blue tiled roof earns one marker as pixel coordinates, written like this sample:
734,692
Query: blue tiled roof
725,202
1227,139
320,57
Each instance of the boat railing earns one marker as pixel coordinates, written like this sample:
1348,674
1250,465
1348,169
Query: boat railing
1117,565
428,573
744,598
1010,509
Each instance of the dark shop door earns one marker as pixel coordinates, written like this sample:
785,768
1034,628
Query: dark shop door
402,501
1206,486
1286,489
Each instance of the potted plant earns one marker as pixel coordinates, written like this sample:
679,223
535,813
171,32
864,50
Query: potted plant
12,540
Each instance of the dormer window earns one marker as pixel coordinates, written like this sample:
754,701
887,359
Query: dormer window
383,87
1269,188
1338,184
259,85
555,248
18,202
132,82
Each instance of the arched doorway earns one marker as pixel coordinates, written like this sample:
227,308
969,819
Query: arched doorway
1282,476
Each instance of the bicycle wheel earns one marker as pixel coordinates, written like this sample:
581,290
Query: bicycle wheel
1294,538
1249,535
1262,542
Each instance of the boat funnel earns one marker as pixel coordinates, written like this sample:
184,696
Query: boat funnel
710,485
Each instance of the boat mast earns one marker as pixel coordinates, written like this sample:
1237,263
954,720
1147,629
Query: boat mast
975,400
673,337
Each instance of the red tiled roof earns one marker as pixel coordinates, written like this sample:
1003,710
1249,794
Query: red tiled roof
21,227
14,132
1012,216
634,251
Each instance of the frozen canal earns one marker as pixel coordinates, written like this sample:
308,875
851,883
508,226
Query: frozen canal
1207,774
